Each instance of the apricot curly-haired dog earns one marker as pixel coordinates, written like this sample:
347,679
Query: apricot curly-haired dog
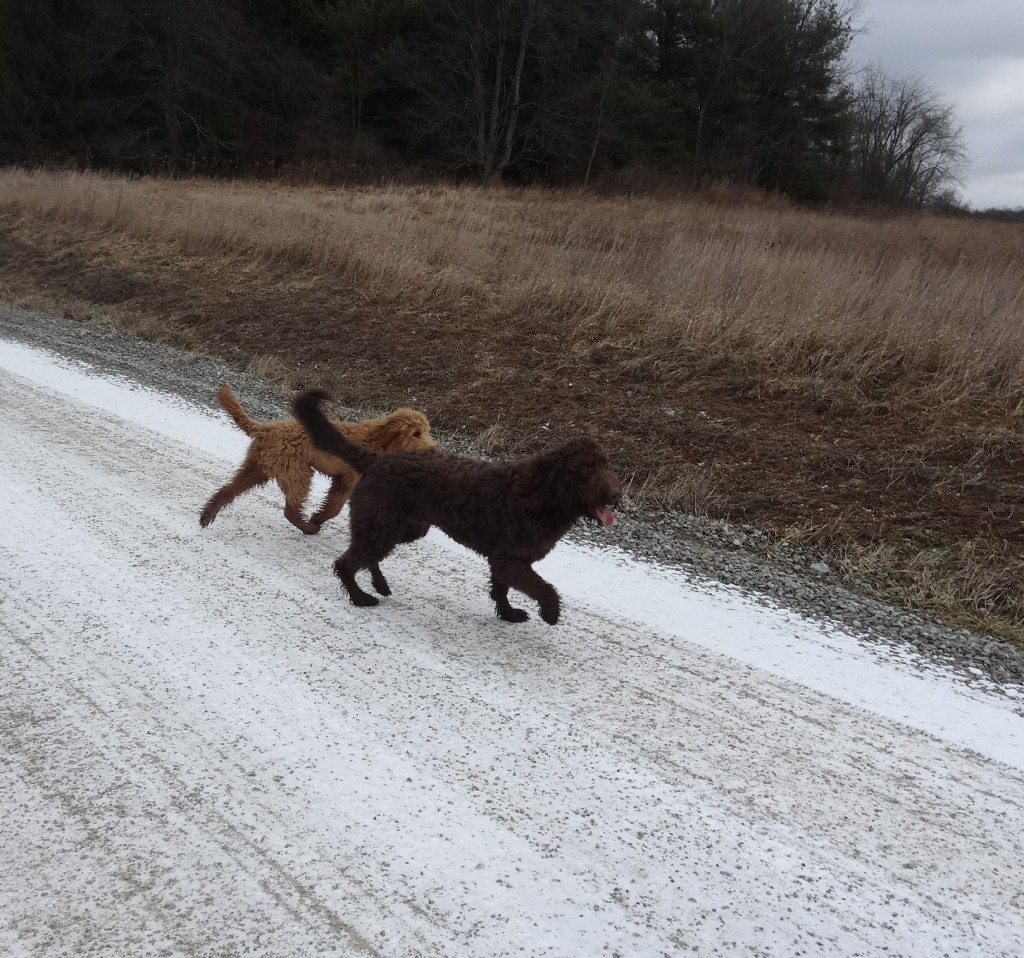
512,513
280,450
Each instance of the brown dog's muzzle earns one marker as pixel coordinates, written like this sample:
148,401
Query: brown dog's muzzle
612,496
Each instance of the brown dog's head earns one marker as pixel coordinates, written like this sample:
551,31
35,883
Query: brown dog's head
585,479
404,430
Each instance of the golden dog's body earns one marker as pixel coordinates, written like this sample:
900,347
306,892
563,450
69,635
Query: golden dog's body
280,450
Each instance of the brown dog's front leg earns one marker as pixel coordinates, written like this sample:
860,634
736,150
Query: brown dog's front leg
519,575
506,611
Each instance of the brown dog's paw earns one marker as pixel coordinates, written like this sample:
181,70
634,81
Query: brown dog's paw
512,614
363,599
549,612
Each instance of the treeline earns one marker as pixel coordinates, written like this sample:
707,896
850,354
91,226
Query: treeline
1001,214
554,91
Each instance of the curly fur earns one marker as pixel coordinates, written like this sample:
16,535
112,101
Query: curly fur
511,513
280,450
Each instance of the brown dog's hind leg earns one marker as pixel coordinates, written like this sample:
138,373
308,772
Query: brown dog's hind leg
410,532
248,476
378,580
345,568
334,501
519,575
374,532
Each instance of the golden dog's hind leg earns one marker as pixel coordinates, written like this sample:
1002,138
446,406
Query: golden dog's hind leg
248,476
334,501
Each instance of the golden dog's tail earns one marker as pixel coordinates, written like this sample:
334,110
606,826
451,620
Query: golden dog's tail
234,409
322,432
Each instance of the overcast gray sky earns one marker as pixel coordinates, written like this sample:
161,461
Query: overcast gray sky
970,52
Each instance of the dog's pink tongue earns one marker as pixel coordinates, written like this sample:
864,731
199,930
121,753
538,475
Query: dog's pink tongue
605,516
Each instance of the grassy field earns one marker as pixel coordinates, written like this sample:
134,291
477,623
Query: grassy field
851,383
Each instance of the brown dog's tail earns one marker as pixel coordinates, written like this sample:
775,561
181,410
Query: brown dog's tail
323,434
234,409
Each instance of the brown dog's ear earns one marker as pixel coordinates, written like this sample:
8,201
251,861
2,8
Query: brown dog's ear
581,472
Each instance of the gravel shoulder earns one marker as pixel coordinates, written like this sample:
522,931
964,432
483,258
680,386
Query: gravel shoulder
792,578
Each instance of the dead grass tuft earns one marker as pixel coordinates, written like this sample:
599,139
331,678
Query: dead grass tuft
691,488
271,368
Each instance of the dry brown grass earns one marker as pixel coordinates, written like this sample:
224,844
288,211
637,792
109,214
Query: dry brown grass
860,298
858,379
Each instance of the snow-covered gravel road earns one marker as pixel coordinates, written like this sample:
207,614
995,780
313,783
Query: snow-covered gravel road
206,751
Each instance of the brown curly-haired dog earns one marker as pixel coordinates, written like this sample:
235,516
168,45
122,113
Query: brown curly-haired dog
512,513
281,451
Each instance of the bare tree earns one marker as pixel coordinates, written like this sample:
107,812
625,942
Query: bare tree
366,37
475,92
500,35
908,147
